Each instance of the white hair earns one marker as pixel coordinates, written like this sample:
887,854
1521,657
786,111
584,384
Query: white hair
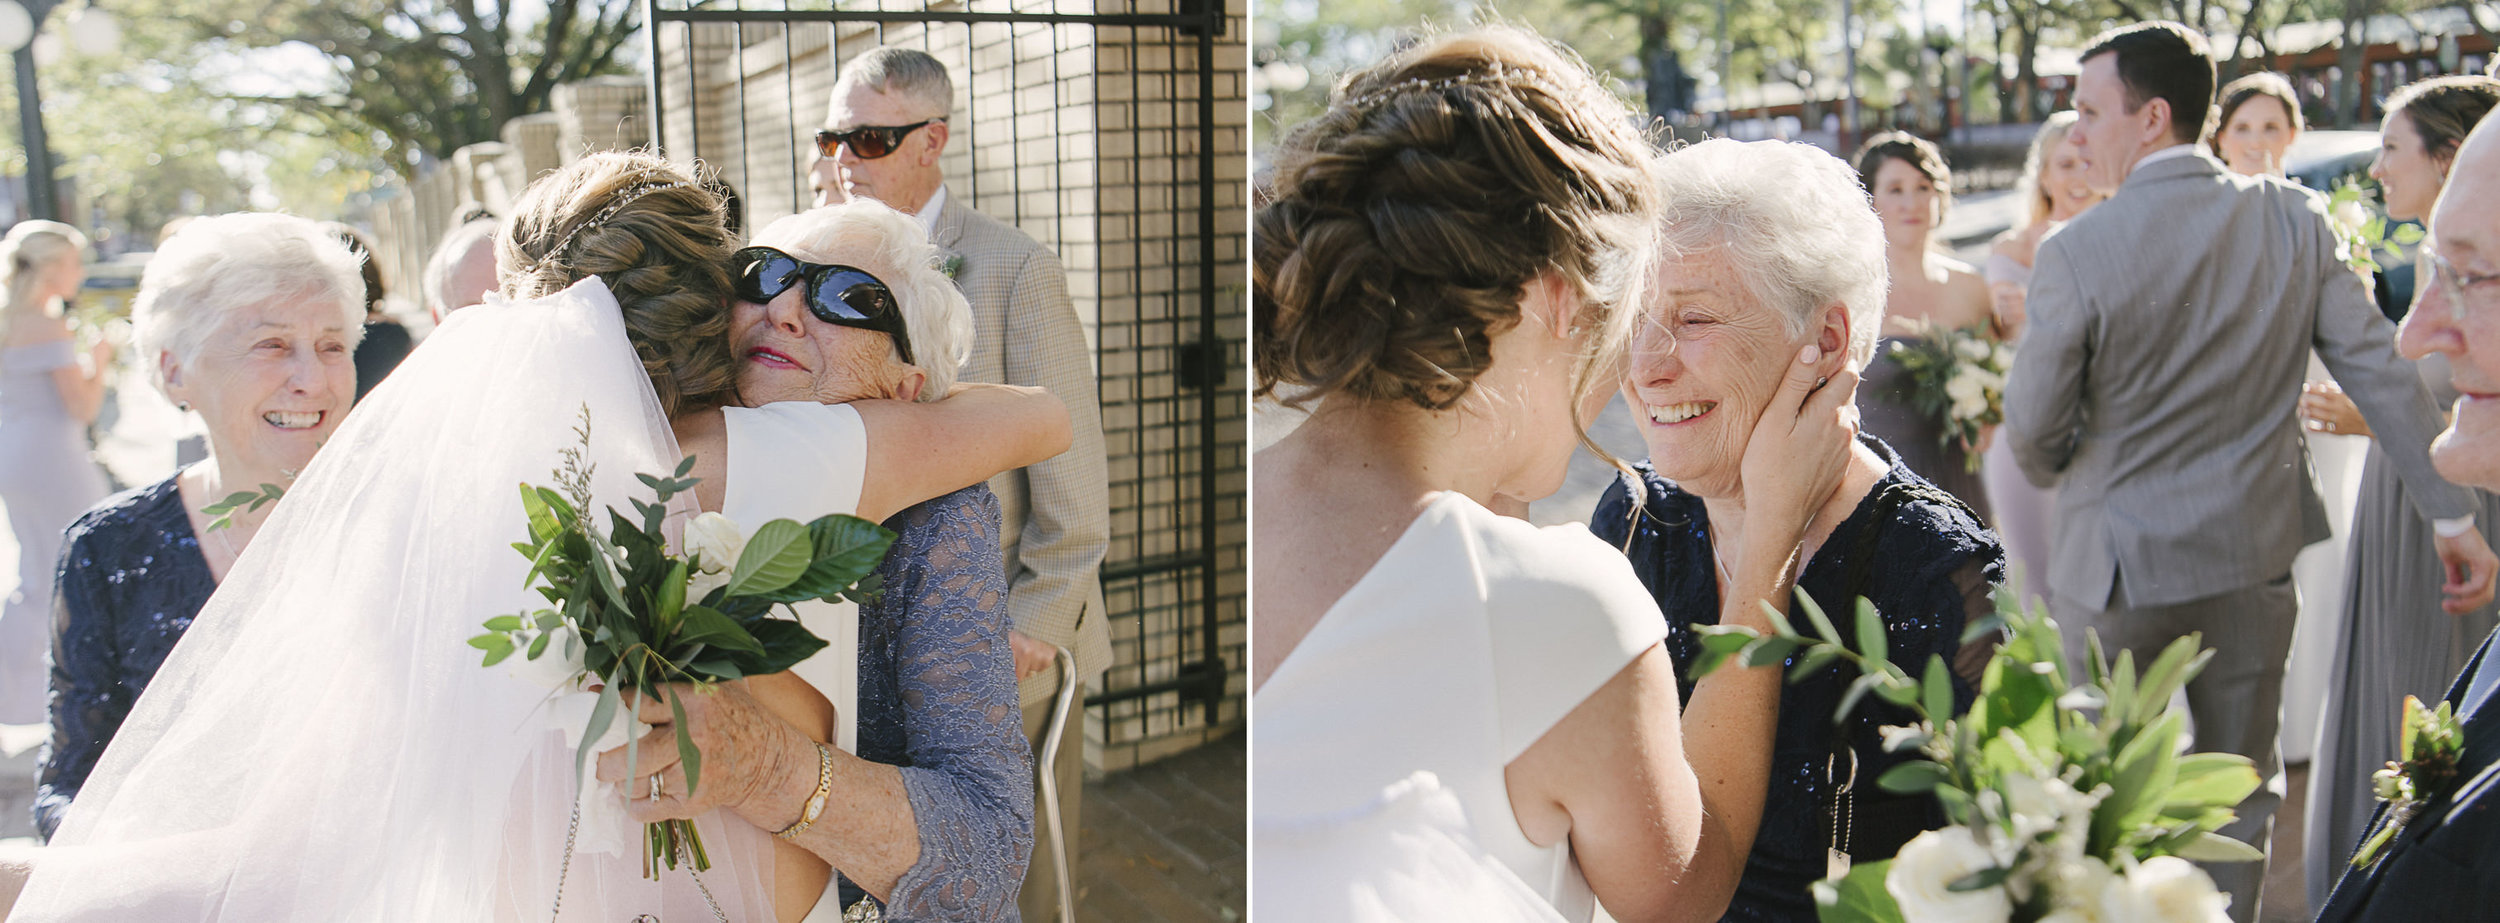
452,251
217,264
1792,221
904,72
891,246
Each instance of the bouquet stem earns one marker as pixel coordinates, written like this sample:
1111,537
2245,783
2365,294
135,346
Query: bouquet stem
669,839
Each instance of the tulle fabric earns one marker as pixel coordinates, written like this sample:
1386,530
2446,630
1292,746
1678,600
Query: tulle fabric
323,744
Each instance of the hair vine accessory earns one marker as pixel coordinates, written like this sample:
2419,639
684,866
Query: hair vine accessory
623,199
1495,76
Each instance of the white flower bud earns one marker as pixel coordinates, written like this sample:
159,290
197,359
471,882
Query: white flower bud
1921,876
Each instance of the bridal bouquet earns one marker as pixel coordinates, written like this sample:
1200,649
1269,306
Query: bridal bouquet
2362,231
1958,377
626,614
2069,802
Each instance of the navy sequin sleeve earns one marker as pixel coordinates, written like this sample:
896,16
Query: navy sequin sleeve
131,578
1928,565
937,697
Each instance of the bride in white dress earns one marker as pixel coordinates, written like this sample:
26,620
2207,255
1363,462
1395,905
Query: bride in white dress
1459,715
323,745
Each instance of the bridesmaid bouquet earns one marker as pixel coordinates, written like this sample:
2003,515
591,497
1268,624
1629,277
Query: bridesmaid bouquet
2069,802
2362,230
625,613
1958,377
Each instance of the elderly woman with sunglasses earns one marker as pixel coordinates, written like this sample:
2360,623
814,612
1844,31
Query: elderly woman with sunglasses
834,305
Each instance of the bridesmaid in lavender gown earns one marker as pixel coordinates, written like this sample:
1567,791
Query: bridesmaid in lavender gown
2053,192
1911,188
47,398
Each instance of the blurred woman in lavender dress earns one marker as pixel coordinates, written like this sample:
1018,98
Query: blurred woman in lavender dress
48,395
2053,192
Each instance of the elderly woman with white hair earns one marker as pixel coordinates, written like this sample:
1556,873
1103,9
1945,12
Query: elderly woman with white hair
930,777
1771,247
251,321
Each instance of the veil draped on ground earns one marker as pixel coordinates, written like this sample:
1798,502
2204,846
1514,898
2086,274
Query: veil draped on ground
323,745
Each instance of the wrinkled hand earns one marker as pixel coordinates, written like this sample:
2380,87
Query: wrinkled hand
746,750
1032,657
1800,447
2469,564
2324,408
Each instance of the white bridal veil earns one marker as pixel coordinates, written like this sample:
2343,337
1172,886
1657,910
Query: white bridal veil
323,744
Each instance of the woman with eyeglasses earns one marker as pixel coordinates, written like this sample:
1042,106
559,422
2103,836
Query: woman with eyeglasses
324,711
2396,640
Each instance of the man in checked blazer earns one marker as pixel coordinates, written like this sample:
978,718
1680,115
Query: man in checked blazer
2156,388
890,108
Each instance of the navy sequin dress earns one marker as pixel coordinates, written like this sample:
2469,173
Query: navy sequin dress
131,578
1927,564
937,697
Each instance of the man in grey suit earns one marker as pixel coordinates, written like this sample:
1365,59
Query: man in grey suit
884,134
2170,328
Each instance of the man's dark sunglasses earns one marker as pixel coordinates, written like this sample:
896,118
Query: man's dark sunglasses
868,141
844,296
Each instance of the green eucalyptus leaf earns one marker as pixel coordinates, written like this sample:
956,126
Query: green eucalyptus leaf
2220,780
1916,777
504,623
542,518
1767,652
1980,880
1859,896
1871,632
1936,690
602,714
705,625
846,551
1814,614
1816,658
539,646
1857,690
778,553
2214,847
686,753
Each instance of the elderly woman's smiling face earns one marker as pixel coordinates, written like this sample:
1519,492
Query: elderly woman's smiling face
271,381
1706,357
785,353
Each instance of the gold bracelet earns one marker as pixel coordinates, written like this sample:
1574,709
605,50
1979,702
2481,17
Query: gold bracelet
815,803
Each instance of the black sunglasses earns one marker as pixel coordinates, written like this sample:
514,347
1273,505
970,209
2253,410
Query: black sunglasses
845,296
868,141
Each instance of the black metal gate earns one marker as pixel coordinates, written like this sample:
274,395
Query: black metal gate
1171,413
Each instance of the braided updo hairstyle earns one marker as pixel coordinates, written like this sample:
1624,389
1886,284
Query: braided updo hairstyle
656,237
1404,224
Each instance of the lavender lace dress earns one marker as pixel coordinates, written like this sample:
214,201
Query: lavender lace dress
937,697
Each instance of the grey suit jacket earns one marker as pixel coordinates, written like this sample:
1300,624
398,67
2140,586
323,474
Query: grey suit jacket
2157,385
1057,514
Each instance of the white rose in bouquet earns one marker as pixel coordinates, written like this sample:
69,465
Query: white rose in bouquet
1922,875
1974,349
1969,393
2174,890
2351,214
2088,892
715,541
